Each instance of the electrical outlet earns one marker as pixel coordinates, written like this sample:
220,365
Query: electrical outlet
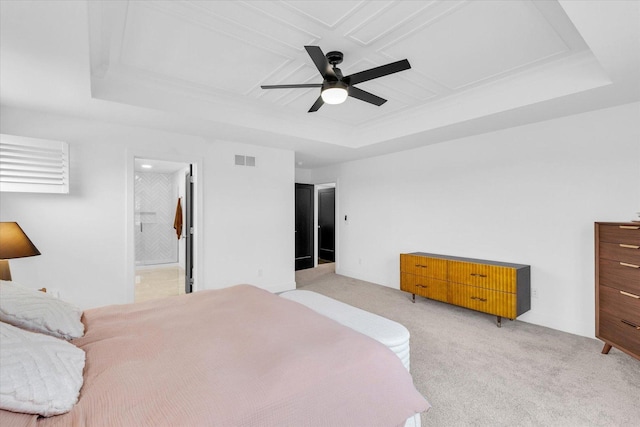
534,293
260,272
360,261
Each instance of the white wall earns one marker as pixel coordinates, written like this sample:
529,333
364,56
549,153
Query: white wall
526,195
246,223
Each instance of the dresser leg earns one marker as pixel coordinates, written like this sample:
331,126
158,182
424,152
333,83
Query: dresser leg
606,348
499,321
414,298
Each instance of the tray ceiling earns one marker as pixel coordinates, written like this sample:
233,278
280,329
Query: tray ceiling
197,66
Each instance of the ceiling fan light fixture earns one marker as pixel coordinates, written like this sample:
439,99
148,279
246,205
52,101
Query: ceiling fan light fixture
334,92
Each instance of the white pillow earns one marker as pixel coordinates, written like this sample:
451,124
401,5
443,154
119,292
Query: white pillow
40,374
39,312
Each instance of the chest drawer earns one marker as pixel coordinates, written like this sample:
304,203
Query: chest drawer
620,233
427,287
620,252
625,306
482,299
483,276
623,333
424,266
620,275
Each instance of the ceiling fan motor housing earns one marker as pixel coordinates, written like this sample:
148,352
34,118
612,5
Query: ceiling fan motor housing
334,57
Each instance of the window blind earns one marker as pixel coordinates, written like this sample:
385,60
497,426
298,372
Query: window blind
31,165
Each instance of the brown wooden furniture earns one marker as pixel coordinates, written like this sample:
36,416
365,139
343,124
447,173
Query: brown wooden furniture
498,288
617,247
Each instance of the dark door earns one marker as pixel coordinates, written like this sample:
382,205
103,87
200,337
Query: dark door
326,224
304,226
188,232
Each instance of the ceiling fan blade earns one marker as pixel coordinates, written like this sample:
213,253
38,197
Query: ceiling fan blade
374,73
295,86
316,106
365,96
320,61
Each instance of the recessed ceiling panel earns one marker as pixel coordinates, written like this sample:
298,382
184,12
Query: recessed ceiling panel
386,20
327,13
247,16
481,40
176,48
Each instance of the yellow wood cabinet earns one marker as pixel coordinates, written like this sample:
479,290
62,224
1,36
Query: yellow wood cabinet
498,288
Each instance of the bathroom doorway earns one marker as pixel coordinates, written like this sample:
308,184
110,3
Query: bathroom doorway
162,228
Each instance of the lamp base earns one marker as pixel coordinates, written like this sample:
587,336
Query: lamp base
5,271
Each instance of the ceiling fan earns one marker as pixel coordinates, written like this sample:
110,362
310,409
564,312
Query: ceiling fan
336,87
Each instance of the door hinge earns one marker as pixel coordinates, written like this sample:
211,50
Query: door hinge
191,230
191,179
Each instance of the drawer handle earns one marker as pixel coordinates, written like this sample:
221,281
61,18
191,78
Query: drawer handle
478,275
421,266
624,245
630,295
479,299
631,324
624,264
629,227
422,286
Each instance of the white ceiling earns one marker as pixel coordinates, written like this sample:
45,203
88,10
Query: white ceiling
197,66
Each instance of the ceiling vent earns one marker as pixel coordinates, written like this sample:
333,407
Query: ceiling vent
245,160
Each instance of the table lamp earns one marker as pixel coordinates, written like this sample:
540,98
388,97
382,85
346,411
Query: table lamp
13,244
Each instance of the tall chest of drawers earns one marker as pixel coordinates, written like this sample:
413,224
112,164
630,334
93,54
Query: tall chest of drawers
617,248
498,288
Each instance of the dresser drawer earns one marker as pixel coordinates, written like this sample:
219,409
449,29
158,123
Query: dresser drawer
620,233
621,252
482,299
623,305
424,286
620,276
424,266
620,332
483,276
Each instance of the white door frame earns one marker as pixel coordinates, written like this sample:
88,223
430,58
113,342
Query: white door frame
198,259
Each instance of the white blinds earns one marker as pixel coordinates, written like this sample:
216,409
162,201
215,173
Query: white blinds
31,165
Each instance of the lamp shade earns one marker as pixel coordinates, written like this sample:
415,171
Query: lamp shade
14,243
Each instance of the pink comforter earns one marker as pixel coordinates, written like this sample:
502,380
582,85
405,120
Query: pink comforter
239,356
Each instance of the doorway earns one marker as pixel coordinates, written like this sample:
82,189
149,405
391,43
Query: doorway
163,239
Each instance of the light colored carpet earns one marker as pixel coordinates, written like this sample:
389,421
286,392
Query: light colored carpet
474,373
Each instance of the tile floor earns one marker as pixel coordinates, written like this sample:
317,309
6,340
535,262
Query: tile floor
158,281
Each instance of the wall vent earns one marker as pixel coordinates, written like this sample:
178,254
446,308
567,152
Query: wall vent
31,165
245,160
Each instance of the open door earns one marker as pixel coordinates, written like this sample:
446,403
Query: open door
304,226
188,222
326,224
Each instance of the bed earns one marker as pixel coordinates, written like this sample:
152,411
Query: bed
239,356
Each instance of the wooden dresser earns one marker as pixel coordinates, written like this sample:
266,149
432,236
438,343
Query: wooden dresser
493,287
617,247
